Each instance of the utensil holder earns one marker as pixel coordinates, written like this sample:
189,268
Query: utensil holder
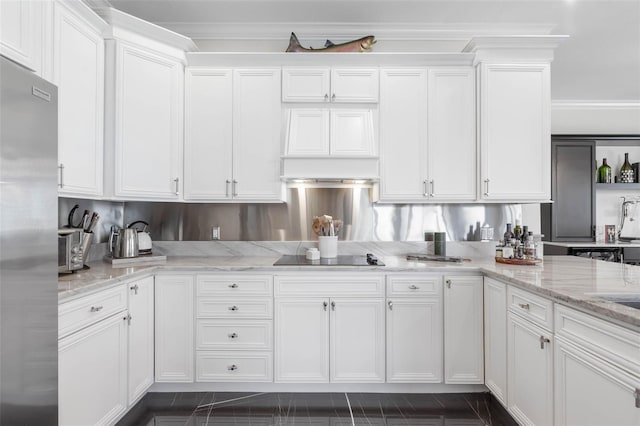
328,247
87,243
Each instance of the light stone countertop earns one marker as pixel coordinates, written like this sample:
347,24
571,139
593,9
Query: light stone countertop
587,244
568,280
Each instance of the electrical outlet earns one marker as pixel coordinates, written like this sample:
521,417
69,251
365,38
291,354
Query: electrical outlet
215,233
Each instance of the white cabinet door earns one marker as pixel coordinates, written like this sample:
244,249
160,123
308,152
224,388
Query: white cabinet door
256,134
78,71
414,340
308,132
20,32
514,129
495,338
141,338
354,85
529,372
302,340
403,134
591,392
208,134
452,134
174,328
148,123
357,340
92,374
352,132
301,84
463,334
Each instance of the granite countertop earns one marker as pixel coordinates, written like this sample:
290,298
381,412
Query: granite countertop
589,244
565,279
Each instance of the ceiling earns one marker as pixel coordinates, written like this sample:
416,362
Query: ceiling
600,62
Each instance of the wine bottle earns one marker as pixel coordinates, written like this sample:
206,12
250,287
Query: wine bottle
604,172
517,232
525,232
626,171
508,235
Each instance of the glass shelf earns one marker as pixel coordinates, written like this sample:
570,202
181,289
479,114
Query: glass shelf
617,186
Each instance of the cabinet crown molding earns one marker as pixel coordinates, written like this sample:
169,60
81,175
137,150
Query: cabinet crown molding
522,48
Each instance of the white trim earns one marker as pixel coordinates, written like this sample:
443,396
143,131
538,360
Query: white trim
84,13
594,105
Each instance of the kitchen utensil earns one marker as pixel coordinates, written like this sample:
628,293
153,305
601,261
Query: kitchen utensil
328,246
440,244
123,242
92,224
144,237
70,217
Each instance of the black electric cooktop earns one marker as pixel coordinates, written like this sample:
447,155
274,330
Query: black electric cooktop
368,260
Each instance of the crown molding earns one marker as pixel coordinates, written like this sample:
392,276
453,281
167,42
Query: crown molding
521,48
348,31
595,105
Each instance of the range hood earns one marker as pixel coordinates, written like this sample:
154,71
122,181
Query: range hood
330,169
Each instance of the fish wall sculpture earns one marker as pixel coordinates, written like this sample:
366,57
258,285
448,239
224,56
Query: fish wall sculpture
363,44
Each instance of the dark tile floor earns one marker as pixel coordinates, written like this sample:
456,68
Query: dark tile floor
316,409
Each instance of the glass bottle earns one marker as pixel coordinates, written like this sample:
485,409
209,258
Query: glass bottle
525,232
604,172
530,247
626,171
517,231
508,235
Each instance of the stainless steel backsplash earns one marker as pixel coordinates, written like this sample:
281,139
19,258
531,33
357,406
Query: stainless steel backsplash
291,221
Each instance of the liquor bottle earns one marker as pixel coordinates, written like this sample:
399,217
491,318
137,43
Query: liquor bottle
604,172
508,235
530,247
517,232
525,232
626,171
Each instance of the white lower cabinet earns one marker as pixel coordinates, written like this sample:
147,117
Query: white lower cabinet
495,338
92,373
140,339
463,330
529,372
174,329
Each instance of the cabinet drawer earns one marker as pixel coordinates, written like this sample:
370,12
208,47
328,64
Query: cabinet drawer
234,285
329,285
610,341
234,335
234,366
535,308
419,285
79,313
216,307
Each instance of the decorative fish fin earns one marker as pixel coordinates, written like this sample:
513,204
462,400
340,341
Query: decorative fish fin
329,43
294,43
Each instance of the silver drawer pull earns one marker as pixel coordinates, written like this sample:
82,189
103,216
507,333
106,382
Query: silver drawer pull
233,336
234,285
96,308
414,287
233,308
543,340
232,367
390,305
524,306
637,395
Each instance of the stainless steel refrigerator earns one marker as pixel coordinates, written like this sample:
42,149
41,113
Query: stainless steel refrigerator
28,248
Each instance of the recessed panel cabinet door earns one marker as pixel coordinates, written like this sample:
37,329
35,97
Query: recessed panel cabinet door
357,340
141,338
79,73
302,340
515,129
495,338
403,134
92,371
20,32
308,132
256,134
352,132
354,85
148,124
208,134
303,84
452,134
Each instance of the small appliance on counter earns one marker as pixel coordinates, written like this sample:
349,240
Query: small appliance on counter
144,238
341,260
70,250
123,242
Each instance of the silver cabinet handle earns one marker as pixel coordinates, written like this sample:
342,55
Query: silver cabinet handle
177,181
226,191
432,188
61,168
127,319
390,305
233,308
524,306
448,282
233,336
326,97
543,340
235,188
414,287
96,308
424,187
486,182
333,305
134,288
324,305
333,97
232,367
637,395
234,285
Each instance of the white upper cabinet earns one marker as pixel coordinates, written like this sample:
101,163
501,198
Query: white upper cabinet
256,135
515,129
427,135
23,33
78,71
324,84
208,140
147,107
308,132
